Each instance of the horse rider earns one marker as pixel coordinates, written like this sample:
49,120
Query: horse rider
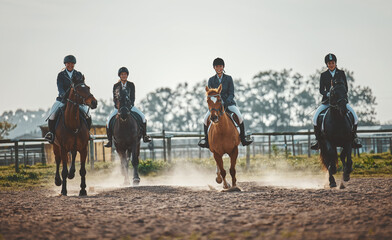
326,77
123,83
63,86
227,96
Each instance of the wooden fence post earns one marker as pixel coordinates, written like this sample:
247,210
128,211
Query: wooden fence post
269,146
103,151
16,156
308,143
164,145
247,157
43,157
91,154
285,146
390,145
169,149
292,140
24,153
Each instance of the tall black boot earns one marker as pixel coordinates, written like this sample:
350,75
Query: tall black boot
109,133
88,120
204,142
356,142
146,138
52,129
244,141
315,145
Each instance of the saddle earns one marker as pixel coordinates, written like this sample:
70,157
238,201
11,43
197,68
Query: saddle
233,117
138,119
60,112
321,118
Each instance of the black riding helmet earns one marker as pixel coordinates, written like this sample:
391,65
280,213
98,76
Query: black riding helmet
69,58
330,57
123,69
218,61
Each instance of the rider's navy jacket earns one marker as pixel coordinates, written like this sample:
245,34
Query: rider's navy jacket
116,91
227,93
64,83
325,82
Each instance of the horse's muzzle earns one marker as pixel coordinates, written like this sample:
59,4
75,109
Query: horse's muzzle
94,104
214,118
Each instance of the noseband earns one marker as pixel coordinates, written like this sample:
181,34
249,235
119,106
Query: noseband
75,92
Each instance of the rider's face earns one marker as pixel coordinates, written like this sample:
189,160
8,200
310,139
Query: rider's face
69,66
218,69
123,76
331,65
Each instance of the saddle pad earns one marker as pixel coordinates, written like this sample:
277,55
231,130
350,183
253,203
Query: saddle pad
323,114
135,116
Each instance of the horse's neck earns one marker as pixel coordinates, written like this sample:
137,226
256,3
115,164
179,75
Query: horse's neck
223,123
72,120
335,114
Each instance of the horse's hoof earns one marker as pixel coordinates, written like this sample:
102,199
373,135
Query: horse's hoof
71,174
341,186
346,177
127,183
63,193
218,180
136,181
332,185
57,181
83,192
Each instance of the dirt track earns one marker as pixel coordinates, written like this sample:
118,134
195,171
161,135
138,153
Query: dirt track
361,211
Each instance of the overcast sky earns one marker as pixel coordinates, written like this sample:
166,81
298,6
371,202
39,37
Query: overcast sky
164,43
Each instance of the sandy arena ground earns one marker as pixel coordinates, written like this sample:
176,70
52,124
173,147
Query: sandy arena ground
363,210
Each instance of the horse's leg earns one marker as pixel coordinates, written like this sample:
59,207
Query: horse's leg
57,156
135,164
233,161
124,165
332,157
82,172
219,163
218,178
64,173
349,163
72,170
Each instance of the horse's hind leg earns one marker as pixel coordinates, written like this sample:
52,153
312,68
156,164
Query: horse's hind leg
64,173
124,165
332,159
72,170
57,156
219,163
82,172
233,161
135,164
347,165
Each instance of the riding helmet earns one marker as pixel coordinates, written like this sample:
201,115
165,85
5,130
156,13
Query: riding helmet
69,58
218,61
330,57
123,69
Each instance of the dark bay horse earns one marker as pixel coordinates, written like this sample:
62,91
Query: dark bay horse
72,135
126,136
223,137
337,132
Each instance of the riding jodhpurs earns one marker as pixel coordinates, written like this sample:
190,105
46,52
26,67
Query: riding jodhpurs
232,108
322,107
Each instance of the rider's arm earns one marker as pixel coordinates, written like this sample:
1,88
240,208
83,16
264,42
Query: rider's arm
132,97
60,85
345,81
230,98
323,91
114,96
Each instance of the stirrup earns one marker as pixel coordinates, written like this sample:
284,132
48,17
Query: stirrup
109,144
146,138
50,137
315,145
203,143
246,142
357,143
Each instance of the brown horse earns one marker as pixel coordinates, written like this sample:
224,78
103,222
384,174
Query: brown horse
223,136
72,135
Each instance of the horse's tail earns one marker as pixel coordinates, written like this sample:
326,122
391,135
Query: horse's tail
328,156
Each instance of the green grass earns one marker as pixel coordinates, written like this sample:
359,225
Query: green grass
368,165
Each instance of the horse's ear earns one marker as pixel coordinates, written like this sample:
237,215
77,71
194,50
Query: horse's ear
220,88
207,89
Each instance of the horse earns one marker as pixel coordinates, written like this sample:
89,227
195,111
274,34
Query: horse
337,132
72,135
223,137
126,136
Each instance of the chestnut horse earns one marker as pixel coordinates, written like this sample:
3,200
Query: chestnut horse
72,135
223,136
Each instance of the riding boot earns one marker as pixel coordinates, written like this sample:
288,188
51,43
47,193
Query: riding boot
356,142
109,133
204,142
146,138
88,120
315,145
52,129
244,141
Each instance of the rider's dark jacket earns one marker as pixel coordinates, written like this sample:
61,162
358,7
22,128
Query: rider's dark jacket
227,93
64,83
116,92
325,82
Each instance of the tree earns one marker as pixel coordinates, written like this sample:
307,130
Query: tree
5,128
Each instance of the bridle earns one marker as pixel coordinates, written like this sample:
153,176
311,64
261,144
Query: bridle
126,105
336,106
75,92
221,110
